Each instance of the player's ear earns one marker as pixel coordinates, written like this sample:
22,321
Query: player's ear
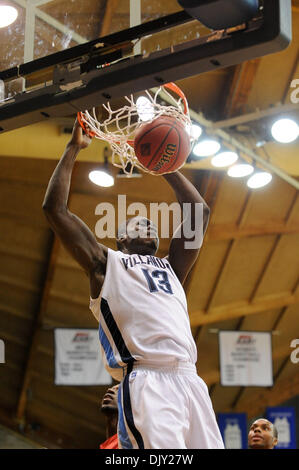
275,441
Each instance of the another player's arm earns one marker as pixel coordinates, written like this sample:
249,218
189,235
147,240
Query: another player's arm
180,257
72,231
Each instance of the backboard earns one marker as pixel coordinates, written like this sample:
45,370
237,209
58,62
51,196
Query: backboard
64,56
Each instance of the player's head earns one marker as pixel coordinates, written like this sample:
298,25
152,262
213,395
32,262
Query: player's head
262,435
109,402
138,235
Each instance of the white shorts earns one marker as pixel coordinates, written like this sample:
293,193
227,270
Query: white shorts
166,408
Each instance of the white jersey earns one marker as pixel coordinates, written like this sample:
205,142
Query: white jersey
142,311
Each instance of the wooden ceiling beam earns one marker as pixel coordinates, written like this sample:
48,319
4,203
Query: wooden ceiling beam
274,249
111,7
224,267
215,232
244,308
38,321
207,184
16,252
260,280
36,328
15,312
282,391
72,391
292,210
233,232
12,281
255,115
6,337
216,314
241,85
220,276
219,313
262,275
47,438
52,413
208,187
209,190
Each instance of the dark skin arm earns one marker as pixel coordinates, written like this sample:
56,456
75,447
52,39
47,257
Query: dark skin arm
180,257
72,231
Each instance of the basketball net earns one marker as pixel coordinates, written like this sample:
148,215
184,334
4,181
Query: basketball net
119,128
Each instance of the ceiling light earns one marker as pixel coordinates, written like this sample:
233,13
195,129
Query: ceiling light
196,131
206,148
8,15
224,159
145,109
259,179
238,171
285,131
101,178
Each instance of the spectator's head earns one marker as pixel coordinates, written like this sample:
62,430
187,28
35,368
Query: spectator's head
109,402
262,435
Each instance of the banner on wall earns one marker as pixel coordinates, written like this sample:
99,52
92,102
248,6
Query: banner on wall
78,358
233,428
245,358
284,420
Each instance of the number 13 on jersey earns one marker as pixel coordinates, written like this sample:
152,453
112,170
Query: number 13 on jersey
157,280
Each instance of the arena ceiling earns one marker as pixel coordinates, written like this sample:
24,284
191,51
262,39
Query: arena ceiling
246,277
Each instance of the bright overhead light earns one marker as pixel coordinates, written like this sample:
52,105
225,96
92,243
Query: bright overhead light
206,148
101,178
145,109
259,179
285,131
224,159
196,131
8,15
238,171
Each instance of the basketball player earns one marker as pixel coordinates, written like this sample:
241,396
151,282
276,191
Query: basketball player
110,409
144,328
262,435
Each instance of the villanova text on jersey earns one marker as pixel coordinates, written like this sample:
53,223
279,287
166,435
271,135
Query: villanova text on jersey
134,260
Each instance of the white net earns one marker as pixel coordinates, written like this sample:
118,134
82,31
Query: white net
121,125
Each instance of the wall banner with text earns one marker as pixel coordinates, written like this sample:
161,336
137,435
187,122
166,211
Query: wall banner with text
78,358
245,358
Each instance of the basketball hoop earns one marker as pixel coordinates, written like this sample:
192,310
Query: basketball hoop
121,125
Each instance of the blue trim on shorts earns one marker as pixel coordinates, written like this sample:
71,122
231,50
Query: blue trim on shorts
111,361
122,433
129,414
125,354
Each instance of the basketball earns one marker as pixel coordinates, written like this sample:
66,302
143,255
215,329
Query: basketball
163,145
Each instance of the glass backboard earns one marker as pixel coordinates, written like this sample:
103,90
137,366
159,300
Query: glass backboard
44,27
63,56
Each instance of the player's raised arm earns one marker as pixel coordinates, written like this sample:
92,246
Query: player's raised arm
72,231
186,242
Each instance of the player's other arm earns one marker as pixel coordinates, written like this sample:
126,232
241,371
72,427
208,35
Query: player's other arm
182,257
72,231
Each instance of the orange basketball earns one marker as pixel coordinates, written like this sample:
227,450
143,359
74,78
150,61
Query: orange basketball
163,145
